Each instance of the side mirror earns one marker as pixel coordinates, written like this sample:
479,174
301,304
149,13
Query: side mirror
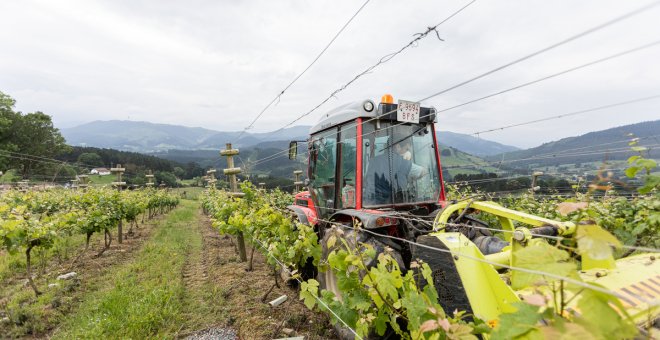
293,150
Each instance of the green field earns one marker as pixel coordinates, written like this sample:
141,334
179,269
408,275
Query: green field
101,180
459,162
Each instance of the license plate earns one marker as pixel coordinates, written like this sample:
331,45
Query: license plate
407,112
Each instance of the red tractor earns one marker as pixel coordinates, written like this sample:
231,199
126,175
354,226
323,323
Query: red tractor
378,166
365,160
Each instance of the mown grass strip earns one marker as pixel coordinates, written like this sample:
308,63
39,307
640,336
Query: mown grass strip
144,298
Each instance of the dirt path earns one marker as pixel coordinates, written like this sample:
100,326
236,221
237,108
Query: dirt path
218,272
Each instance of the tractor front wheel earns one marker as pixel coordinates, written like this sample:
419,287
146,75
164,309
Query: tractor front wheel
328,280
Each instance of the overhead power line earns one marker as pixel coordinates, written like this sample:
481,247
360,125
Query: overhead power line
598,61
546,49
383,60
303,72
574,113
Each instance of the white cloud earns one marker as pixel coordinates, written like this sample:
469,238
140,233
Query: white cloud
216,64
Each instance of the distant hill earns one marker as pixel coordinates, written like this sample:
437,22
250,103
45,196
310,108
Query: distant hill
598,146
150,137
473,145
135,136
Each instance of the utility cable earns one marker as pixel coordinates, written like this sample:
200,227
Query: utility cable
546,49
569,114
572,69
303,72
383,60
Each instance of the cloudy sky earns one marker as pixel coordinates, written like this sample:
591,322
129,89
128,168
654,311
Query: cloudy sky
216,64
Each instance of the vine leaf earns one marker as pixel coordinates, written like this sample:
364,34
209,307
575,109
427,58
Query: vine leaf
522,322
429,325
595,241
460,332
542,257
381,322
359,300
309,290
632,171
386,281
416,307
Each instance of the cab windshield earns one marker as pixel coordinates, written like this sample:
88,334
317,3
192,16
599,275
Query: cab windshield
399,164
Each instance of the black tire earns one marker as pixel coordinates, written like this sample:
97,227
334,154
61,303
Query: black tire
328,280
446,279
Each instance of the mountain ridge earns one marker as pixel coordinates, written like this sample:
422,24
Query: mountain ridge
147,137
595,146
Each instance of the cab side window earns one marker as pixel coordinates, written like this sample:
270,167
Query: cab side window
322,160
348,157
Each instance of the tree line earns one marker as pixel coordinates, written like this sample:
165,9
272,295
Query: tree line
33,148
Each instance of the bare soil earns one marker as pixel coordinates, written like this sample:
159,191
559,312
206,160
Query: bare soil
243,291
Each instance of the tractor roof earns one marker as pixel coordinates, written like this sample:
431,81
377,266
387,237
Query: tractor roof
344,113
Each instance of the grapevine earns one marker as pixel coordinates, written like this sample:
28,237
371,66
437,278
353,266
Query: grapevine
40,218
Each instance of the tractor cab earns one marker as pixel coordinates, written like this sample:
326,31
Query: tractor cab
363,156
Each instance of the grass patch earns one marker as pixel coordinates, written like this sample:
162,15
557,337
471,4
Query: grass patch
99,180
31,315
144,298
9,176
191,193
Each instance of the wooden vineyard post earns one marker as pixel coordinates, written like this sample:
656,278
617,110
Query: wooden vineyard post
150,179
210,178
119,171
24,185
231,171
297,182
535,174
83,181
